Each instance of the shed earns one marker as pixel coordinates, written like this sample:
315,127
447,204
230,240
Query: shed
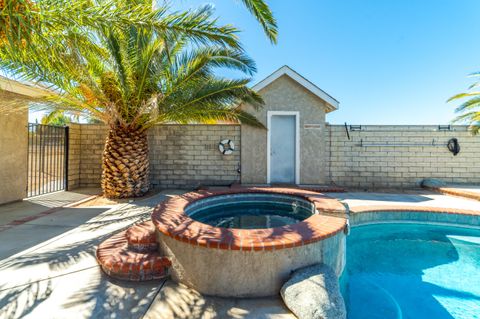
292,149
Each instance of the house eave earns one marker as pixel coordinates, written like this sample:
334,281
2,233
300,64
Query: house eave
27,90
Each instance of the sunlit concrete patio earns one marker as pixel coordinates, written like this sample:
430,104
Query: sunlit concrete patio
48,267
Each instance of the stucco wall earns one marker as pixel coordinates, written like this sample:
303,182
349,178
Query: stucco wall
180,155
284,94
404,166
13,152
238,273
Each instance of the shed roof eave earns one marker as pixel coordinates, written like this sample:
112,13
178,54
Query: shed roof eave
331,103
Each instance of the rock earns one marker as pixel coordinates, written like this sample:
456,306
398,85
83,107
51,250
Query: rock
313,293
433,183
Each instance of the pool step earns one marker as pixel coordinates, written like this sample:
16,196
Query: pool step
119,256
141,237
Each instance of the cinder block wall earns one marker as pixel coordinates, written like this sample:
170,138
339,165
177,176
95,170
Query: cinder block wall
188,155
184,156
180,155
352,165
91,145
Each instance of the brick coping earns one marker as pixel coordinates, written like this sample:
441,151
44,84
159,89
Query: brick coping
170,219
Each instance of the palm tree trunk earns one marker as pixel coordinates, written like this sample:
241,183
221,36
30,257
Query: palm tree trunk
125,163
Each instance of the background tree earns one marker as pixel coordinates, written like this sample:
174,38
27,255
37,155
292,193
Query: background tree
133,76
58,118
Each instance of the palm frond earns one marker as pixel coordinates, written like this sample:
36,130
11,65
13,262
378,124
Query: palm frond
264,15
468,117
468,105
463,95
248,119
136,74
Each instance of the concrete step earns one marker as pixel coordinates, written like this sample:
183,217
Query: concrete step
119,261
141,237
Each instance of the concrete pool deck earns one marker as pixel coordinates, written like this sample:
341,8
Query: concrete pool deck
418,198
19,212
48,266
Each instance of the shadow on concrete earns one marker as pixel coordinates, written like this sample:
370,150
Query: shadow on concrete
59,258
21,301
110,298
32,227
84,294
90,225
30,234
62,275
178,301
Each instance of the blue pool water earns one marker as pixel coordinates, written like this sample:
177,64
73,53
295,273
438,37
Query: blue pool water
412,271
250,211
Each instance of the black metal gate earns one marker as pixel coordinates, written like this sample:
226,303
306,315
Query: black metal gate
47,159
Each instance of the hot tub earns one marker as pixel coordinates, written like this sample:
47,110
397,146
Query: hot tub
246,242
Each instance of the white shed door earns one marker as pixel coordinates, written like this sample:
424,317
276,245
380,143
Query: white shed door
282,148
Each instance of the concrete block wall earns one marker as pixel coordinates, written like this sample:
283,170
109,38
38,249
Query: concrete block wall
180,155
352,165
184,156
92,143
188,155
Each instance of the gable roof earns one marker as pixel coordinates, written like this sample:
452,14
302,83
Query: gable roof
32,91
332,104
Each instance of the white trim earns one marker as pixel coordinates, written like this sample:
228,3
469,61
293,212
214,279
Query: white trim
297,142
23,89
332,104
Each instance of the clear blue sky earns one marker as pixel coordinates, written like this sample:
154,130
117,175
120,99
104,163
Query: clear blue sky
386,61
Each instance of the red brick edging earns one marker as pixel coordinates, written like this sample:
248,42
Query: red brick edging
170,219
120,258
141,237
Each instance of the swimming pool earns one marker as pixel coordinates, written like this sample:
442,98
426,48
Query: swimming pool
412,271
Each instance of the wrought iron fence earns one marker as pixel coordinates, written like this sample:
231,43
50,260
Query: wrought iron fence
47,159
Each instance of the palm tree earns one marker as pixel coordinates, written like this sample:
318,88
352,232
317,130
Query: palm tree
133,76
20,18
470,109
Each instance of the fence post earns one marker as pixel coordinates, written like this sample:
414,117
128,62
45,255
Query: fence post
67,147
